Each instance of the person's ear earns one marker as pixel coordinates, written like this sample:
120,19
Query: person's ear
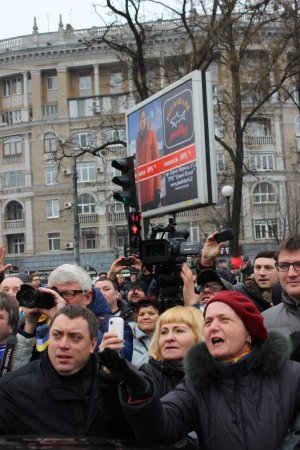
94,344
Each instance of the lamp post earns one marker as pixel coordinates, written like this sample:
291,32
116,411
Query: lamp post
227,192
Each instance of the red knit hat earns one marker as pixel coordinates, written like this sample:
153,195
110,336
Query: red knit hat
246,310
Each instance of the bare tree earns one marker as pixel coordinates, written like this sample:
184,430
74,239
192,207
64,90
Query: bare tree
249,41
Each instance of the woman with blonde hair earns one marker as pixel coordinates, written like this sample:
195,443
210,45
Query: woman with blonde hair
177,329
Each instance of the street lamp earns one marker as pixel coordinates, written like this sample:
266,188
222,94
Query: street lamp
227,192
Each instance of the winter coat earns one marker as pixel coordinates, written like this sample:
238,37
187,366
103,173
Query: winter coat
248,405
23,351
284,317
36,400
165,375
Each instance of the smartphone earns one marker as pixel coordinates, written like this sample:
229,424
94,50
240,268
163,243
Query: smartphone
225,235
126,262
116,325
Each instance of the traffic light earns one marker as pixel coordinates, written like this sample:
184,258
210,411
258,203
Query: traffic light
127,181
134,224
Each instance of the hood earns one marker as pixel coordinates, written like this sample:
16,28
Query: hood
266,359
99,304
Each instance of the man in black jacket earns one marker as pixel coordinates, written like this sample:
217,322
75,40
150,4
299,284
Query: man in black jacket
59,394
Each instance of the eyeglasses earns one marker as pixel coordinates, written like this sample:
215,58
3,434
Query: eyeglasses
216,287
68,295
284,266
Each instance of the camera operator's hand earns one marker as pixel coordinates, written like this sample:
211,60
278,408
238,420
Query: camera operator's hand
211,250
111,340
189,295
136,263
59,303
137,385
115,268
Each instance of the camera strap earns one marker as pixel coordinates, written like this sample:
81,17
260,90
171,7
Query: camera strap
8,354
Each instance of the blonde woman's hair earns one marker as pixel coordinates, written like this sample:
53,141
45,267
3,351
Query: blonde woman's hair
188,315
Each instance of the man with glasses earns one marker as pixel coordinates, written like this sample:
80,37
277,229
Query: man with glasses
286,315
208,284
72,285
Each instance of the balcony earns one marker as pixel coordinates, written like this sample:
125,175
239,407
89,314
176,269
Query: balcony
259,140
12,159
116,217
17,223
87,218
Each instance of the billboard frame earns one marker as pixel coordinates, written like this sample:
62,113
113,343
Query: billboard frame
187,103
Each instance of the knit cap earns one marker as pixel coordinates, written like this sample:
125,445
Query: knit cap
246,310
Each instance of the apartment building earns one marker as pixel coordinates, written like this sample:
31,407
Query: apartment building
58,98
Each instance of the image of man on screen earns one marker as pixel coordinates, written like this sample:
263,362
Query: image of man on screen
147,151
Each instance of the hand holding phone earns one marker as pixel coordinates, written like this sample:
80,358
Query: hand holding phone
225,235
116,325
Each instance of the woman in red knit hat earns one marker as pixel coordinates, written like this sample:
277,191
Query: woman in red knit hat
241,391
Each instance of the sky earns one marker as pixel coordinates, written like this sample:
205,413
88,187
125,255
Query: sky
16,18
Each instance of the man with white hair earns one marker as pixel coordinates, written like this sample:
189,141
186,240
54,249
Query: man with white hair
70,284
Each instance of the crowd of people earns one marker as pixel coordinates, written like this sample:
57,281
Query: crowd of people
219,369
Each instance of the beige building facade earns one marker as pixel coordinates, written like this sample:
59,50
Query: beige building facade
61,100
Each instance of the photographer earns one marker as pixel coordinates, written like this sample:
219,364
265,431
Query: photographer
71,284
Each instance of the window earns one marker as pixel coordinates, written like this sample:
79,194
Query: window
51,175
118,207
52,209
14,211
114,135
266,229
12,117
14,179
86,171
116,81
220,162
85,82
89,238
12,147
49,110
16,243
16,86
86,204
52,82
53,241
259,127
262,161
264,193
50,143
83,140
5,88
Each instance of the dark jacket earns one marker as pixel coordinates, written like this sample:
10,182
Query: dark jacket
248,405
165,375
36,400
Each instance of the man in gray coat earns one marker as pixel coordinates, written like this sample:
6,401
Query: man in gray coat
286,315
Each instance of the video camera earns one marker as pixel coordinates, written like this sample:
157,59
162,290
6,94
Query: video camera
164,258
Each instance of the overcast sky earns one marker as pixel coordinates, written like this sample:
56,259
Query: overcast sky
16,18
